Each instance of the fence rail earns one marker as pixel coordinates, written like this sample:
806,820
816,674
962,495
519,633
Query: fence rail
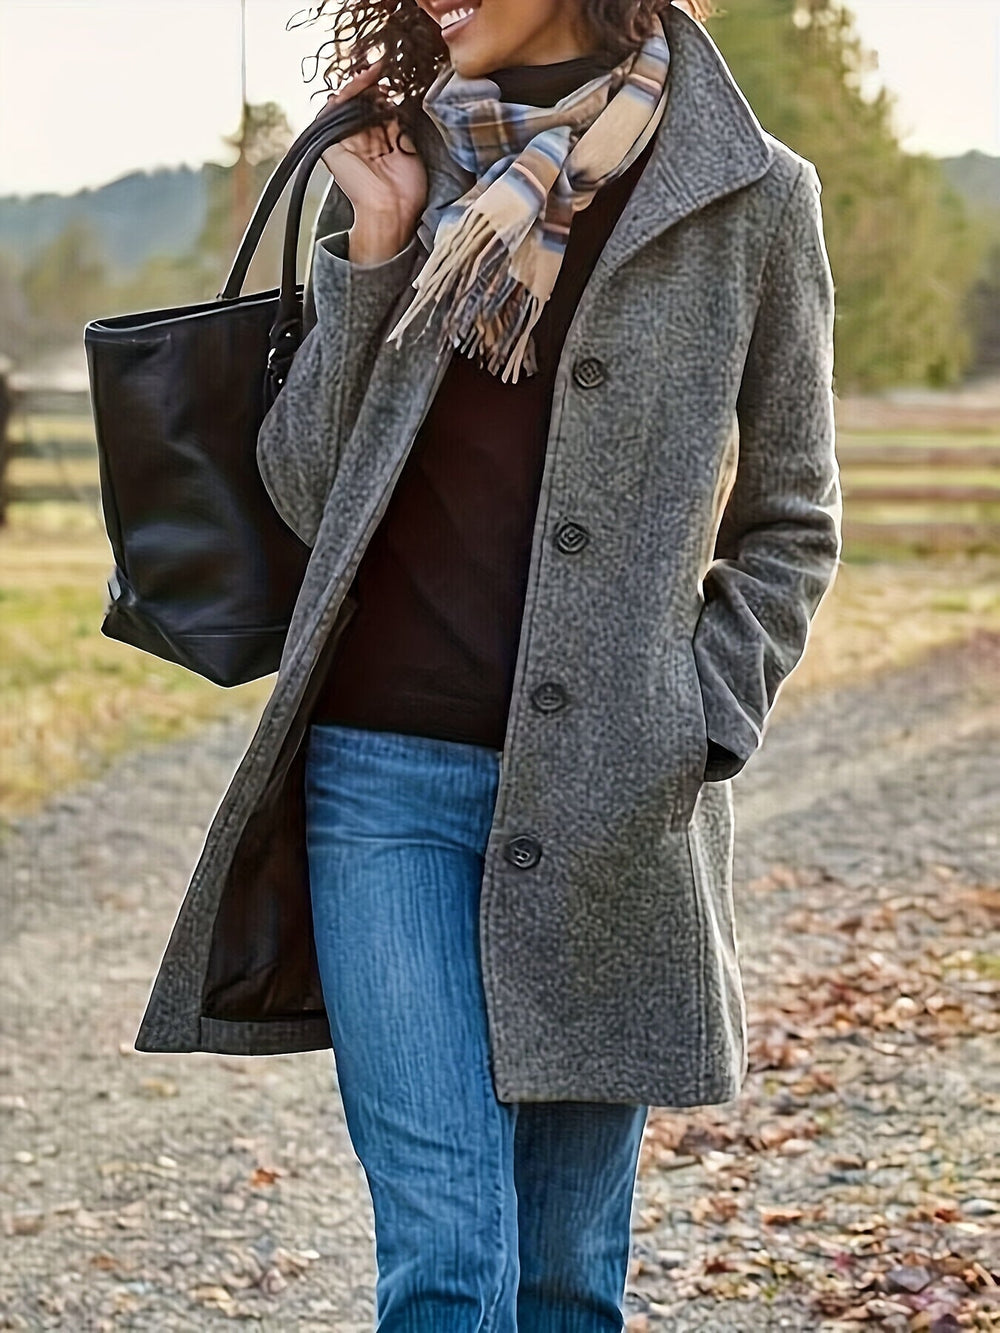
936,497
52,402
854,456
909,484
922,538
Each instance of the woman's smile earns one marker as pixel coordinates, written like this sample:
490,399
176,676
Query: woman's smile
483,35
455,21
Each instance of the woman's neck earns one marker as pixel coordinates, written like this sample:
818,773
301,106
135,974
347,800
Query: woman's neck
544,85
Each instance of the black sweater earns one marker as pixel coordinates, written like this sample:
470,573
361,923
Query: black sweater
432,646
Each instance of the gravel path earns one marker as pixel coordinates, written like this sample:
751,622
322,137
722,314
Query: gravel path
855,1182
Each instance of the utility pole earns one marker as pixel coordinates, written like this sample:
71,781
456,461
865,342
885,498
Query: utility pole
241,189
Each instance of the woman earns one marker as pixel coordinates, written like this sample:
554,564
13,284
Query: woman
573,500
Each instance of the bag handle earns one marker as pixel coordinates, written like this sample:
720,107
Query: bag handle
330,126
286,331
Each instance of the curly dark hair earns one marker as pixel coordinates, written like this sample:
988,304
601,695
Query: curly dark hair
415,51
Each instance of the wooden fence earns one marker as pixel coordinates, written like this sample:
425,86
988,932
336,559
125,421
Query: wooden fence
922,480
52,454
923,497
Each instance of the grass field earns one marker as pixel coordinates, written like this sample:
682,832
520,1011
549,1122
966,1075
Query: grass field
70,699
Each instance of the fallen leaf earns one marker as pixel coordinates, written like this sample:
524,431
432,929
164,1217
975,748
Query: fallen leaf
211,1295
272,1282
23,1224
263,1175
294,1262
158,1087
779,1216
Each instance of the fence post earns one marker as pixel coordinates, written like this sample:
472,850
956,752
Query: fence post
6,408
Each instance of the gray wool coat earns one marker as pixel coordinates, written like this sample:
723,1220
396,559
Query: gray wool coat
688,527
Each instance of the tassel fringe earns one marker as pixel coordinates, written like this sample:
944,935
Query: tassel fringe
486,306
556,159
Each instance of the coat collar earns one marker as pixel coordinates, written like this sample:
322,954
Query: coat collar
708,144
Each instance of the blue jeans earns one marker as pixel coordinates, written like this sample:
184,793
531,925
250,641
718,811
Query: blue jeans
492,1216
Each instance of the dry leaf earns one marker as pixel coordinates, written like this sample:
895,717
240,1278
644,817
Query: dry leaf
263,1175
272,1282
294,1262
214,1296
158,1087
23,1224
779,1216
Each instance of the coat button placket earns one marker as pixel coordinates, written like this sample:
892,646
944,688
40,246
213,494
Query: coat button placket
571,538
589,372
523,852
549,697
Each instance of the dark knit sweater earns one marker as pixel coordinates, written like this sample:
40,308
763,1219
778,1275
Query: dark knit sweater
432,646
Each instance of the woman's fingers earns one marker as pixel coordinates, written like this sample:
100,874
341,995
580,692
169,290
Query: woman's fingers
369,142
363,79
378,180
365,145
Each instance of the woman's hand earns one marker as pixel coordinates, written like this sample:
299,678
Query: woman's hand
387,187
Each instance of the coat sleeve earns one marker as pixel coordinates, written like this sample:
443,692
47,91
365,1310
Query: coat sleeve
345,307
779,540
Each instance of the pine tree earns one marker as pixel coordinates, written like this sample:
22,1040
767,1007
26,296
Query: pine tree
903,250
260,144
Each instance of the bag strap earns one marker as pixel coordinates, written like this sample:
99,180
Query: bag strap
286,331
330,126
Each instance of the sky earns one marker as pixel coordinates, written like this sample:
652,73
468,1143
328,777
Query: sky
93,89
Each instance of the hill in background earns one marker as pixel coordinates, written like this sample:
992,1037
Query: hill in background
139,217
163,213
976,177
135,217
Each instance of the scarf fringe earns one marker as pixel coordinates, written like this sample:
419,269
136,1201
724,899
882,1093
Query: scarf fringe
486,307
519,220
453,251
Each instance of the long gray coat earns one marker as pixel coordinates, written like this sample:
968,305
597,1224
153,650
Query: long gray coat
672,581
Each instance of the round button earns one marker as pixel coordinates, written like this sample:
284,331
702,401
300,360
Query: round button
571,538
589,372
523,852
549,697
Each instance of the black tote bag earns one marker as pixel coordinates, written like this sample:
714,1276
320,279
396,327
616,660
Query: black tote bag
206,572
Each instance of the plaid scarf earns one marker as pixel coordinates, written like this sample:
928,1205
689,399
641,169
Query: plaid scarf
495,253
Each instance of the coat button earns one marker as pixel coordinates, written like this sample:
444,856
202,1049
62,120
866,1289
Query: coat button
549,697
523,852
589,372
571,538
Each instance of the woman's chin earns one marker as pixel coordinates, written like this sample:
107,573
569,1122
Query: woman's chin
470,64
472,59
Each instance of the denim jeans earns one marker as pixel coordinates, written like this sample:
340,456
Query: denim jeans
492,1216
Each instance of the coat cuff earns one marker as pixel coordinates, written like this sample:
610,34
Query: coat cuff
371,289
332,265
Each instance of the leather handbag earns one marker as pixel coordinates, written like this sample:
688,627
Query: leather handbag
206,571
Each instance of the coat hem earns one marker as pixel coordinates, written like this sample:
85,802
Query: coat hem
219,1036
655,1095
275,1037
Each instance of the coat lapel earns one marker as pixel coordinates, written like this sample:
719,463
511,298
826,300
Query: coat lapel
709,143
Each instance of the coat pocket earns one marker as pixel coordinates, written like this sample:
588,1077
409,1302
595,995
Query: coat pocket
693,731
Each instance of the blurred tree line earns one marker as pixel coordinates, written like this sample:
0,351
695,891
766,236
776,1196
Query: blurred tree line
906,252
917,268
47,302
